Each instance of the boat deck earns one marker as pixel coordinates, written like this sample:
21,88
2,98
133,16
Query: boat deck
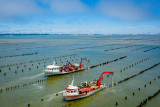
90,88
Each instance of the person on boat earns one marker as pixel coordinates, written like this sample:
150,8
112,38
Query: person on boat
86,84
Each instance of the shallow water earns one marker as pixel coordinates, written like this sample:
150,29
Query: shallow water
15,55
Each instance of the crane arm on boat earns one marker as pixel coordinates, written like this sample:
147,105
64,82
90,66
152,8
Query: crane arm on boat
67,65
80,65
98,82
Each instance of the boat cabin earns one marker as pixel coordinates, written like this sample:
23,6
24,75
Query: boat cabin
53,67
72,90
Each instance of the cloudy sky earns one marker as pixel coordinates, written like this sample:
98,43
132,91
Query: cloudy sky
80,16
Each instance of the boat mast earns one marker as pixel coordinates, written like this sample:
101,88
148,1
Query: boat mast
72,82
54,62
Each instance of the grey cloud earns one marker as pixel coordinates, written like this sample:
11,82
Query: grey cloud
68,6
123,9
22,10
11,9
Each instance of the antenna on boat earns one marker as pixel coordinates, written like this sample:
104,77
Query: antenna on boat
72,82
54,62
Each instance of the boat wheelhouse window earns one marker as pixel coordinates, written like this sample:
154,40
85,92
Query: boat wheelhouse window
52,68
55,68
68,91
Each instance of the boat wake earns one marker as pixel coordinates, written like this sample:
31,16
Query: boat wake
49,97
21,80
32,77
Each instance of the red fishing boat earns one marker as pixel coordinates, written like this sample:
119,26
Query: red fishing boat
85,89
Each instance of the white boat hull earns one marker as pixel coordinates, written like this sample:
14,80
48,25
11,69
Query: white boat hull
51,73
74,97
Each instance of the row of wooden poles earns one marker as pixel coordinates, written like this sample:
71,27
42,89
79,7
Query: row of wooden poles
44,59
134,64
139,48
24,54
120,47
92,47
146,100
151,49
126,79
114,60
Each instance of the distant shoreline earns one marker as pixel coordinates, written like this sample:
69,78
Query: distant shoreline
76,34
